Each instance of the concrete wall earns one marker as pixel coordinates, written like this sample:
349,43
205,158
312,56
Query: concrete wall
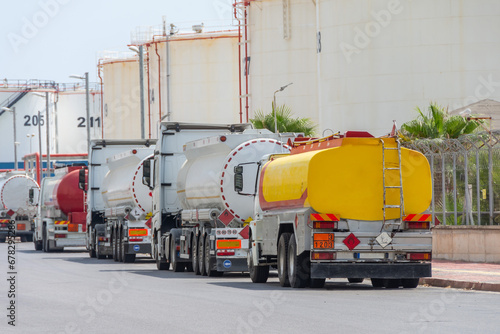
466,243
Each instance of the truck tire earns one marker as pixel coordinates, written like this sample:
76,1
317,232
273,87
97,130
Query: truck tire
98,255
378,282
201,255
161,263
355,280
115,245
129,258
317,283
176,265
92,253
38,244
392,283
46,246
282,259
410,283
298,266
208,260
258,274
194,255
120,246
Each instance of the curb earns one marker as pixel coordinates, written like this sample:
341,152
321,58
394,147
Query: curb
447,283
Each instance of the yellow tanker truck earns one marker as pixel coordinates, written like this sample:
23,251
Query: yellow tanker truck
348,206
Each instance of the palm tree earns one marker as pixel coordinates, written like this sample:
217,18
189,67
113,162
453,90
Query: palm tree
286,123
437,124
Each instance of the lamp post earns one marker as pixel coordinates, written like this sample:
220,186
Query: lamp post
140,51
274,106
87,108
13,111
47,113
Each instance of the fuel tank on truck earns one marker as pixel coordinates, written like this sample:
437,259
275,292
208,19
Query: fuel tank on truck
14,192
347,180
206,180
122,186
62,192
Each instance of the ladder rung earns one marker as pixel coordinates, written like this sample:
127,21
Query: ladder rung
392,168
391,148
392,206
393,187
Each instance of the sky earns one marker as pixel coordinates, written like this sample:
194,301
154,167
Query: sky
53,39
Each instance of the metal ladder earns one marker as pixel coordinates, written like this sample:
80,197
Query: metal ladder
399,187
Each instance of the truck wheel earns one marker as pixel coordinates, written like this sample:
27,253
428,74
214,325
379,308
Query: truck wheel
317,283
208,262
38,244
176,265
378,282
410,283
46,245
129,258
121,250
282,259
194,255
392,283
115,245
355,280
201,255
298,266
258,274
91,247
161,263
98,255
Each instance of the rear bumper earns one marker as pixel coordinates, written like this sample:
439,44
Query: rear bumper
71,242
370,270
232,264
138,248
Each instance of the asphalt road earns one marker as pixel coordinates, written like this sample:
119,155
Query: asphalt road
70,293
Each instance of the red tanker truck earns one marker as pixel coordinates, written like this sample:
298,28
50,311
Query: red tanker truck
61,215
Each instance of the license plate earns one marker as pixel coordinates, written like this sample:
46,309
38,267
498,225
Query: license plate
323,240
371,255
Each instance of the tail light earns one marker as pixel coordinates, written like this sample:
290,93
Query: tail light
104,239
325,225
418,256
59,236
323,255
417,225
225,253
135,239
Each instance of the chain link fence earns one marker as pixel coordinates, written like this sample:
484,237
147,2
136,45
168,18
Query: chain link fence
466,178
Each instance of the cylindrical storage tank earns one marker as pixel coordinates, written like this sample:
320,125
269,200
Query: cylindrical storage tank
358,65
347,180
122,107
122,186
14,193
62,191
206,180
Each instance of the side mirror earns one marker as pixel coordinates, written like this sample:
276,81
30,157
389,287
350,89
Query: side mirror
82,179
146,173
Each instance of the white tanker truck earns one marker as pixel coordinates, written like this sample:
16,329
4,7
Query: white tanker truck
200,220
15,206
128,205
116,198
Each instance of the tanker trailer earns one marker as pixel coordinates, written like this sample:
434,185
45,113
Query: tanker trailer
216,209
98,234
15,205
61,216
128,206
346,207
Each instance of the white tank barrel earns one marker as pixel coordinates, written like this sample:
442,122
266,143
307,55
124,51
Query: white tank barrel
206,180
14,192
122,186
